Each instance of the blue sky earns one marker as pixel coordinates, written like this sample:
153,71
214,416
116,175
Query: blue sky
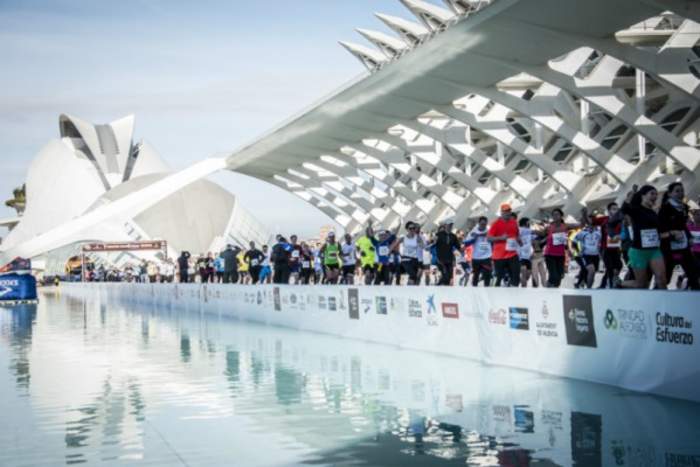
202,78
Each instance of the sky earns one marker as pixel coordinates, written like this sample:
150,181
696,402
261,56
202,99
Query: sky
201,78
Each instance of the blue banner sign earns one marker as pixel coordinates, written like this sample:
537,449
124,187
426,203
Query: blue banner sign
17,287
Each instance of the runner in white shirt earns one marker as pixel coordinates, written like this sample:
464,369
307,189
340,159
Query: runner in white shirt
589,238
347,253
525,251
412,246
482,265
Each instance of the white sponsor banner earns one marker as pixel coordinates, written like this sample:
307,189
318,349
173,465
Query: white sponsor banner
638,340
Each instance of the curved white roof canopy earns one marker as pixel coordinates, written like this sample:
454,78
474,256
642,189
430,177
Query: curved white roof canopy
391,46
432,16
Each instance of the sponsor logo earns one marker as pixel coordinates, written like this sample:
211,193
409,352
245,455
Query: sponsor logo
380,304
293,299
354,304
578,318
497,316
524,420
277,299
396,304
432,311
321,302
502,413
519,318
415,310
366,305
627,323
450,310
552,418
431,304
259,297
546,328
332,304
674,329
638,456
341,302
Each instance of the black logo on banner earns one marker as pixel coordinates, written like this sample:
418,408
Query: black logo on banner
277,298
578,317
586,439
354,303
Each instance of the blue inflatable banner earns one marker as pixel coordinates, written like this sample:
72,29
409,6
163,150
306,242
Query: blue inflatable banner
17,287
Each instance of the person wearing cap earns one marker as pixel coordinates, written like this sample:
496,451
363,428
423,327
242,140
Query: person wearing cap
446,243
504,235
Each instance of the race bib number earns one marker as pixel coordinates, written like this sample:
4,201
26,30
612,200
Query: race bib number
306,264
295,254
591,243
253,262
483,249
559,238
512,244
649,238
383,250
681,244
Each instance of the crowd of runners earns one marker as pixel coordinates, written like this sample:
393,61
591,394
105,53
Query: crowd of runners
636,245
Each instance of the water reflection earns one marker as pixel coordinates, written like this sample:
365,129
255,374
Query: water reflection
166,387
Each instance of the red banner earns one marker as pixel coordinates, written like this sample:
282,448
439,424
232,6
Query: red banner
125,246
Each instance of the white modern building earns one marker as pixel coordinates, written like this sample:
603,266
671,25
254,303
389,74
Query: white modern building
91,166
471,103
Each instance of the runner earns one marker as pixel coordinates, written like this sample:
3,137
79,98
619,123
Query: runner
307,264
675,244
555,248
347,251
482,266
382,247
243,268
255,258
368,259
504,237
280,258
645,252
331,257
525,251
265,270
294,260
590,240
446,244
412,247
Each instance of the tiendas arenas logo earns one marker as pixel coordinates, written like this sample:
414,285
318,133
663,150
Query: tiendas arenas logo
674,329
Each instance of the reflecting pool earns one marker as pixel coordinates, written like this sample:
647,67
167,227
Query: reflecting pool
94,382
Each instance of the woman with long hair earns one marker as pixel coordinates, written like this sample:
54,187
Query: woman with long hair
645,251
675,236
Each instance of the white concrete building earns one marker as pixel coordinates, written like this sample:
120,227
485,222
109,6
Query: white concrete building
92,166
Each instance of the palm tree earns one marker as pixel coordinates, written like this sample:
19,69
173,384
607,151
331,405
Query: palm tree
19,199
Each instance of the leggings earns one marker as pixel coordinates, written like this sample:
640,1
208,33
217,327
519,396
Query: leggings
446,272
507,268
555,268
481,269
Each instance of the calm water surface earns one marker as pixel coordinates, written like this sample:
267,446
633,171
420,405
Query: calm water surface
98,383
